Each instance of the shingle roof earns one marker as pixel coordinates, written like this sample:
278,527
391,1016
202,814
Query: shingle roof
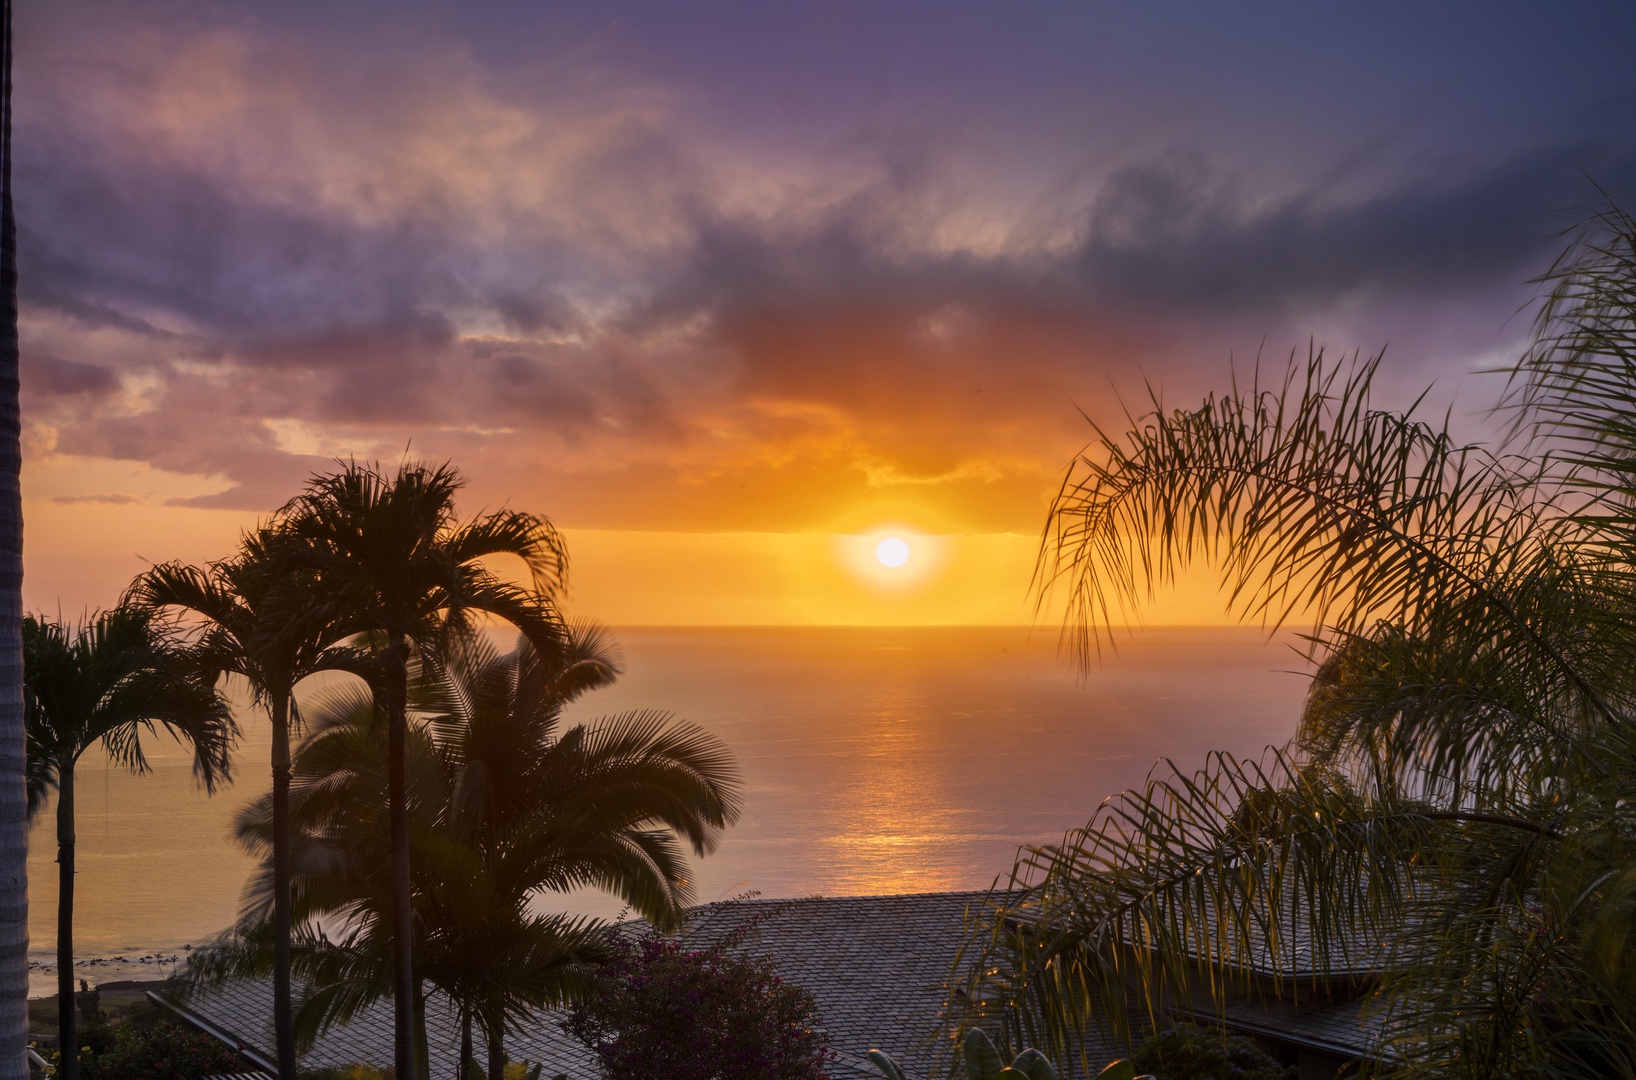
242,1013
878,966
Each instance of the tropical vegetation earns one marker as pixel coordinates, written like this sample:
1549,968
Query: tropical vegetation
504,804
105,684
427,807
1459,810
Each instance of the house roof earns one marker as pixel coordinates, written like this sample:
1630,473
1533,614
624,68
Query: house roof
879,968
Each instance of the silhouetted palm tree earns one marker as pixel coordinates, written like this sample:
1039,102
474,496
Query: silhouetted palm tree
105,684
13,813
254,619
388,555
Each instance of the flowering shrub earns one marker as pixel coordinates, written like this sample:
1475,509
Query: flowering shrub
1189,1052
660,1012
161,1052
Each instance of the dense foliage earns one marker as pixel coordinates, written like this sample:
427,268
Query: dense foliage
1189,1052
660,1011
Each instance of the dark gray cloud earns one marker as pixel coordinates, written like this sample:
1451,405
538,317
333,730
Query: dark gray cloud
52,376
1169,236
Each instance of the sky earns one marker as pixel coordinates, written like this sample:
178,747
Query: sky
732,291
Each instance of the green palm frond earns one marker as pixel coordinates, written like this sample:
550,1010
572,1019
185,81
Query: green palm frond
1239,877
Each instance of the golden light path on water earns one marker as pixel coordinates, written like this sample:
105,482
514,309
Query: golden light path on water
875,760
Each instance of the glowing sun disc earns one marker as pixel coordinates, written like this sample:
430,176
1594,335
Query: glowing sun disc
892,552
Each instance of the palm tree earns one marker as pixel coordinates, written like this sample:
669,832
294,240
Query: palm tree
602,805
255,622
389,556
13,755
1461,797
503,807
106,683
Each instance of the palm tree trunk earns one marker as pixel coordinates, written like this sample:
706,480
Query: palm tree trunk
497,1054
465,1046
13,756
68,1036
404,990
423,1057
283,1016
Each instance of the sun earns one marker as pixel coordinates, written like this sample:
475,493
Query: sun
892,552
894,558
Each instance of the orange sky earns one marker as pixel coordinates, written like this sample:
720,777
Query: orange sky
82,554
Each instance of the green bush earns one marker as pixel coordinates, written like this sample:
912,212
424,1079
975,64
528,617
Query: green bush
1190,1052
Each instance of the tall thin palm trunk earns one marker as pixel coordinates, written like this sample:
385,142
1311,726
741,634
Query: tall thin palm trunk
423,1051
68,1036
397,726
13,755
497,1055
283,1016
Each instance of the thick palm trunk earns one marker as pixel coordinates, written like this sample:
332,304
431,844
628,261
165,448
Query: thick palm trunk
465,1046
68,1036
283,1017
13,756
397,726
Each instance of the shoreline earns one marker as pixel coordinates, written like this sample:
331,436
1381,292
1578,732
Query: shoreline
107,971
122,986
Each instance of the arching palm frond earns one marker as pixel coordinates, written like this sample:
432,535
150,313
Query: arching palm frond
1219,881
107,682
1312,501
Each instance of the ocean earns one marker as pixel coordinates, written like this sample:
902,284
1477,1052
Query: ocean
874,760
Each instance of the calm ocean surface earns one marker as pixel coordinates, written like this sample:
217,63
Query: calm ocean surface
874,761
